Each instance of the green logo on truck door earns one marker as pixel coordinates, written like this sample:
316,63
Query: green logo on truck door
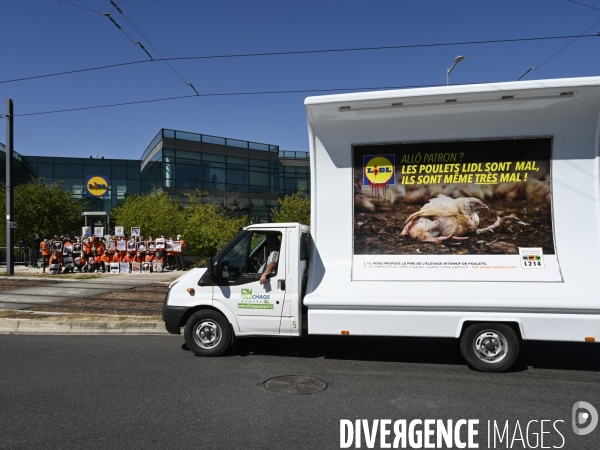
254,301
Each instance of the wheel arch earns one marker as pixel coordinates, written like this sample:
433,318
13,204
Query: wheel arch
515,324
225,312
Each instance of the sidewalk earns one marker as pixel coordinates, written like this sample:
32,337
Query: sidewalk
29,288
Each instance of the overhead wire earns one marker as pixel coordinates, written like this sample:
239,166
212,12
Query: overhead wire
79,6
540,65
226,94
575,38
108,15
299,52
583,4
242,55
155,49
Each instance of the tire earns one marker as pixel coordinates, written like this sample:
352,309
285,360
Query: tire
207,333
490,347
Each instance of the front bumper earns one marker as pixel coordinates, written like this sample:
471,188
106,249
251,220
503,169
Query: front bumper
172,316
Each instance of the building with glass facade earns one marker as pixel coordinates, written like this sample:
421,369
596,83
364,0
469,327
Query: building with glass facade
251,175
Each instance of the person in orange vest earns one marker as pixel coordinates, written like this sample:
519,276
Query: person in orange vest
79,263
87,247
54,259
45,248
105,260
179,255
54,245
149,258
139,258
129,258
67,256
98,263
117,256
98,245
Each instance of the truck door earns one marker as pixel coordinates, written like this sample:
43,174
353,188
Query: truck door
239,268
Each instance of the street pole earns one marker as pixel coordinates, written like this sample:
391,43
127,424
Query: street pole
456,61
10,257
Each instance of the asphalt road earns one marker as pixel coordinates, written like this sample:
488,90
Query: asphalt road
150,392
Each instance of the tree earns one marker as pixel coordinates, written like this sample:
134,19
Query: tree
208,226
293,208
42,208
155,214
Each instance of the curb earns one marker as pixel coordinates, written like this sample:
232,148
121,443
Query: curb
39,327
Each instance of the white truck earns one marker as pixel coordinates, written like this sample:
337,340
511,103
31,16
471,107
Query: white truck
469,212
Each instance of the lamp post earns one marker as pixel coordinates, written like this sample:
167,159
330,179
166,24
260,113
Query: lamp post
456,61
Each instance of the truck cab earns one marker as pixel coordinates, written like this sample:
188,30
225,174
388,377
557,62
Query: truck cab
226,299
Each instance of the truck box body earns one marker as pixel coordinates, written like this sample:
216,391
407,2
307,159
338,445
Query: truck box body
364,291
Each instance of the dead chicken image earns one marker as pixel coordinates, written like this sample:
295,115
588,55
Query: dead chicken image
446,218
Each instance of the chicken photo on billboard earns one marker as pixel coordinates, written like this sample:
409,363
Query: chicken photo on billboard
453,198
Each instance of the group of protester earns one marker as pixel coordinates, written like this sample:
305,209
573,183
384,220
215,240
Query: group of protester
95,254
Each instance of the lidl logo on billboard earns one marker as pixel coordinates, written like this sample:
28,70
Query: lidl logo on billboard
379,169
96,186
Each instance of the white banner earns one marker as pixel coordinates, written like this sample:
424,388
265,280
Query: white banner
99,231
450,268
119,231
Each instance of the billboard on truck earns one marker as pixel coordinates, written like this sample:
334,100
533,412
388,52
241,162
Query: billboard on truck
477,210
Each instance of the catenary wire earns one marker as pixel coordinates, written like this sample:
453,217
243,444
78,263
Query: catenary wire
582,34
155,49
220,94
300,52
583,4
150,43
82,7
109,17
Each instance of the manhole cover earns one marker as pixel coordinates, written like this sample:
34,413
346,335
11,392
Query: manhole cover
294,385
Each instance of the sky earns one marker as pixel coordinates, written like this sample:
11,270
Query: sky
48,36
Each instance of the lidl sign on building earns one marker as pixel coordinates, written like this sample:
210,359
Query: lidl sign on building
96,186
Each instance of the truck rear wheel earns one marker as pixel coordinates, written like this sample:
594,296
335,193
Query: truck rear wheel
207,333
490,347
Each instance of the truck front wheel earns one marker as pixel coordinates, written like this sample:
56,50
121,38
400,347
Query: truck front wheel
207,333
490,347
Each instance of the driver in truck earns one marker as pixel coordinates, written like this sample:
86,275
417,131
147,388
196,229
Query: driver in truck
270,264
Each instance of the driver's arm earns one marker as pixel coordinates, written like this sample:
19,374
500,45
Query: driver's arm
270,268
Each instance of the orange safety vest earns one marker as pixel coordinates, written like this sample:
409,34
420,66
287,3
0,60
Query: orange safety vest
45,249
99,247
